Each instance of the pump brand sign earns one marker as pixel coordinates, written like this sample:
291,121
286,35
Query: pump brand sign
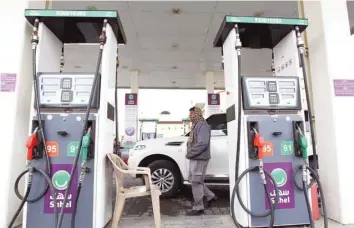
131,99
282,173
60,180
213,99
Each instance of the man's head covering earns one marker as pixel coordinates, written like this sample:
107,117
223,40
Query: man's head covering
196,118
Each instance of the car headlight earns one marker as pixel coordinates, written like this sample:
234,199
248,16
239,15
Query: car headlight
139,147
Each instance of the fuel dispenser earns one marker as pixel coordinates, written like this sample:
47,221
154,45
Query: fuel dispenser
72,122
266,117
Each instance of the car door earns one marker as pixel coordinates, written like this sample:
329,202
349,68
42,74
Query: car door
219,163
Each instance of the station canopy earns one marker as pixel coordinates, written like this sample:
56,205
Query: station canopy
171,43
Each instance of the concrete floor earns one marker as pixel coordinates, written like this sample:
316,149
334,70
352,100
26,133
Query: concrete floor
205,221
138,212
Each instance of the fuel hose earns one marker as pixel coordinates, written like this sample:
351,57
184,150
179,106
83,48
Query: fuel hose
273,206
305,187
84,169
235,191
32,170
96,79
313,172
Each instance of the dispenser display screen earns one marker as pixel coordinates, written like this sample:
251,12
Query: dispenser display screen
273,98
66,90
66,96
278,93
66,83
272,86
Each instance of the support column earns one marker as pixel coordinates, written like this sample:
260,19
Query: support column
209,81
330,53
15,100
134,88
213,100
134,81
132,131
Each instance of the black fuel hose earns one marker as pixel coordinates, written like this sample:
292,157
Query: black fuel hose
116,146
238,139
84,127
308,204
238,47
73,215
307,187
31,171
41,134
40,130
313,172
273,206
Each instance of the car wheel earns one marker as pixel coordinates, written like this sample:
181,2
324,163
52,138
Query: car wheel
166,176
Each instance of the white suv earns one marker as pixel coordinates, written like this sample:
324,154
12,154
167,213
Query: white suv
169,167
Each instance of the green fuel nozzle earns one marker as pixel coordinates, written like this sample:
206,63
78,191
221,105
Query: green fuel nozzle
303,146
85,144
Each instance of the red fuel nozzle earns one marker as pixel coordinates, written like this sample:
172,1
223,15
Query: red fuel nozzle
258,142
31,143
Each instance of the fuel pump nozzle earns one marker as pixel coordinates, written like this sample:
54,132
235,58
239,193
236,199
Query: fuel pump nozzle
258,144
302,145
86,141
31,144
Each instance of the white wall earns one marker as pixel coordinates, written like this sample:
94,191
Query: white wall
15,106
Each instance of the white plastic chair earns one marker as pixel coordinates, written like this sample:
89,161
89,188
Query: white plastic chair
120,170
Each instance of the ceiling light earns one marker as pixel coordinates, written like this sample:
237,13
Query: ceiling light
91,8
258,14
176,11
173,82
175,46
174,67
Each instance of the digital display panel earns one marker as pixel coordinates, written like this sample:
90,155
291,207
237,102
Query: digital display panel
287,90
286,83
273,98
271,93
66,96
66,83
69,89
272,86
256,84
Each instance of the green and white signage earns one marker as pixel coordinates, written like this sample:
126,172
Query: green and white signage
71,149
279,176
71,13
267,20
287,148
60,180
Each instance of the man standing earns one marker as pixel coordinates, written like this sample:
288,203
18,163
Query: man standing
198,152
